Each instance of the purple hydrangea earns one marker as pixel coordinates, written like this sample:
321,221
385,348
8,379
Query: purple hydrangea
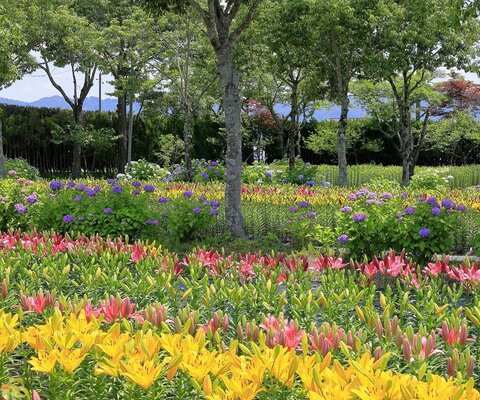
214,163
404,195
80,218
70,184
152,222
461,208
20,208
197,210
111,181
409,210
77,198
342,239
387,196
436,211
107,210
311,214
359,217
136,183
432,200
188,194
448,204
293,209
304,204
325,184
213,211
352,196
68,219
136,192
117,189
346,209
424,232
300,177
90,192
32,199
81,186
149,188
268,173
56,185
310,183
205,175
163,200
215,203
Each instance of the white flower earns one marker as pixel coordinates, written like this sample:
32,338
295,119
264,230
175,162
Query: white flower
449,177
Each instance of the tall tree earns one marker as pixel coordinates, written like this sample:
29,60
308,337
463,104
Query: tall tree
184,69
62,38
280,68
224,24
411,39
381,104
125,41
13,50
339,31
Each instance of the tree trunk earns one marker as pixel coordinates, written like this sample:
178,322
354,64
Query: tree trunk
2,160
122,132
77,147
407,145
187,139
130,132
293,132
342,141
232,108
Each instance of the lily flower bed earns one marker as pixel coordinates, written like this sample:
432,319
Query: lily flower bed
84,318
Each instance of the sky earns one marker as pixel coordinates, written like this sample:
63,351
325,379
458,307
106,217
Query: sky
36,85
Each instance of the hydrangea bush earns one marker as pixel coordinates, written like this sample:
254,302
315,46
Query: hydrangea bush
20,168
425,227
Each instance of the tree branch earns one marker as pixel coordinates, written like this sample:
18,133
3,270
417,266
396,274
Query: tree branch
246,21
46,68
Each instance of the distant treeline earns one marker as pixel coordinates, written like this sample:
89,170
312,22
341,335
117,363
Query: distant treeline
28,134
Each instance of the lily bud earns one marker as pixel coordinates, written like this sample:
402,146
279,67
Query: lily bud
407,350
4,289
462,340
225,323
470,366
379,328
256,334
239,332
450,368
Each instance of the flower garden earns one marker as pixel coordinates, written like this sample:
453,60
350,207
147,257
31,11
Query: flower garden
121,289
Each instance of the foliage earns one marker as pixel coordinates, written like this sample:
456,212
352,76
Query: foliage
20,168
170,149
184,218
92,211
430,180
143,170
324,140
422,229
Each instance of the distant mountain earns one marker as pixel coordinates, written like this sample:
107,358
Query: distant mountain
326,113
110,104
91,103
13,102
